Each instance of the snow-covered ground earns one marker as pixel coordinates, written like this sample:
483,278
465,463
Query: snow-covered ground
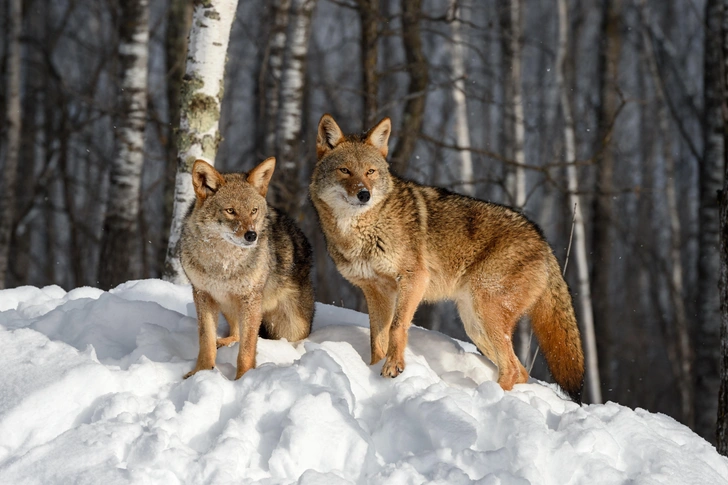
91,392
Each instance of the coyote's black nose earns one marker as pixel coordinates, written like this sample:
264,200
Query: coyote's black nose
363,195
250,236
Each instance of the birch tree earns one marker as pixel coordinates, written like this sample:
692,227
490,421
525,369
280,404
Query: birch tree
462,128
272,72
120,245
201,95
284,81
12,136
580,253
289,116
707,335
516,176
518,180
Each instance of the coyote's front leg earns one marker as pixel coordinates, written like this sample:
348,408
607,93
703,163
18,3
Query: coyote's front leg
252,319
207,315
381,296
412,287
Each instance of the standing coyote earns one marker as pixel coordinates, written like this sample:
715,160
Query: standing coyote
401,243
246,259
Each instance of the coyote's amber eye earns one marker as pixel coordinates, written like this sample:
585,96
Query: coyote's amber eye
370,171
254,211
345,171
230,210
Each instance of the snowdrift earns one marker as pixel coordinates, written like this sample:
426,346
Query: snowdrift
91,392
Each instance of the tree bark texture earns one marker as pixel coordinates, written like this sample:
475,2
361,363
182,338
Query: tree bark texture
684,346
462,127
517,175
179,16
603,219
12,136
414,109
511,25
721,429
369,15
202,90
580,254
272,72
707,334
282,87
290,113
120,259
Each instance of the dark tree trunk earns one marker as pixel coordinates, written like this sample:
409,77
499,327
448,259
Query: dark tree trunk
417,68
13,129
721,431
369,15
602,237
179,17
707,335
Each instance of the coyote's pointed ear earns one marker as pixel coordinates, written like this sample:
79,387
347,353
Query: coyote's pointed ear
329,135
260,176
378,136
205,179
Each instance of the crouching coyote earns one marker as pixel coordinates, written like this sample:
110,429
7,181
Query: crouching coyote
403,243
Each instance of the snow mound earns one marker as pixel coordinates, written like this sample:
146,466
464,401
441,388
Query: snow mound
91,392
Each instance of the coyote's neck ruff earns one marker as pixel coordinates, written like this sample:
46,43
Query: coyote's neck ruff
401,243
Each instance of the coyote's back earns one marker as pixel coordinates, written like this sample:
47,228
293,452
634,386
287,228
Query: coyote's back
402,242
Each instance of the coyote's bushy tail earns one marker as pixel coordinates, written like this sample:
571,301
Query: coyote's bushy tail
554,324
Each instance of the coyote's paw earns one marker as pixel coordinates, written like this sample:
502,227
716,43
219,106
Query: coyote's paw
226,342
392,367
195,371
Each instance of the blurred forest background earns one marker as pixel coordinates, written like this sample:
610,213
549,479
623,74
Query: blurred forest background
488,97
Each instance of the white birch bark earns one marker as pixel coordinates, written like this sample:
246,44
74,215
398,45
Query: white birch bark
518,181
519,186
202,91
293,79
462,128
580,254
276,54
13,126
287,109
119,249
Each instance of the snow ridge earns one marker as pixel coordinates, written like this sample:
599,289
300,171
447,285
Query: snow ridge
91,392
